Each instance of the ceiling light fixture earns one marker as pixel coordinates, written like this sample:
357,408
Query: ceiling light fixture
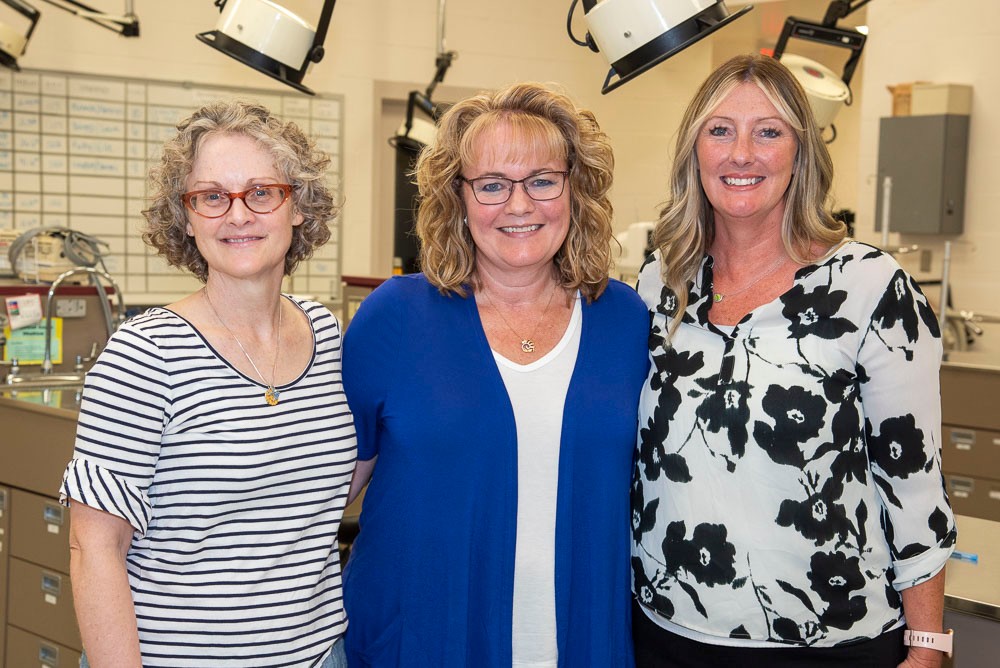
826,91
269,38
636,35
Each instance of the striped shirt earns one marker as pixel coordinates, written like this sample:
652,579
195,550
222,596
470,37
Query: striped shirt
235,504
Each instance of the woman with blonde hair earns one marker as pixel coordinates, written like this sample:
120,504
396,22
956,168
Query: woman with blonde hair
788,506
495,397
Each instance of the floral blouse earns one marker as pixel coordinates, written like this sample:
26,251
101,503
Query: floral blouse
788,481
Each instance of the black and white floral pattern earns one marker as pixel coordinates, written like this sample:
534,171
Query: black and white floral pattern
788,480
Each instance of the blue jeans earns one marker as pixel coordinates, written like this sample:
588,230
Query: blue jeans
336,659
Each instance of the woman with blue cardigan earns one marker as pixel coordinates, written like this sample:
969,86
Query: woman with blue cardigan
495,398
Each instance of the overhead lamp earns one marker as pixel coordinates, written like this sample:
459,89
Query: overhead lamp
126,25
414,134
827,92
636,35
269,38
12,42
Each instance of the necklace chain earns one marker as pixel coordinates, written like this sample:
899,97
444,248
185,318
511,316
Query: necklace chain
271,395
719,296
527,344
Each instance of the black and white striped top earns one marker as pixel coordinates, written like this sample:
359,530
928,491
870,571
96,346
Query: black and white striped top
235,504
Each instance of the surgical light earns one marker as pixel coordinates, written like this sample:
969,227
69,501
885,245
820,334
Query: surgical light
636,35
827,92
269,38
13,42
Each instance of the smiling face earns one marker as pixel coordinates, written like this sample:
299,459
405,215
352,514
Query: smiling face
746,155
240,244
522,235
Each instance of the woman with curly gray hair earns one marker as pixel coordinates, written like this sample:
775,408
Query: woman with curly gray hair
214,448
495,396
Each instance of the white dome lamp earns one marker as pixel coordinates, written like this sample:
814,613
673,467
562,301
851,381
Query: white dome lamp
12,42
269,38
826,91
636,35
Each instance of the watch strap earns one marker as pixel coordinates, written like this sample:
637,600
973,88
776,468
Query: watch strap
942,642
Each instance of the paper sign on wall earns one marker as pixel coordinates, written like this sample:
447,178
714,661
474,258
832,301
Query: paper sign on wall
24,310
27,345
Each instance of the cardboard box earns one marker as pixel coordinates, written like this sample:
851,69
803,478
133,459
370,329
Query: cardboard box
933,99
901,96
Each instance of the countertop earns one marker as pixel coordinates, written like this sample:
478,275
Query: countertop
974,588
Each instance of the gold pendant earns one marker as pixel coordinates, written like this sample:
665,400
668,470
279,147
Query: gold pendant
527,345
271,396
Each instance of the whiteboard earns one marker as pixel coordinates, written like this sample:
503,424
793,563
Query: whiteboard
75,150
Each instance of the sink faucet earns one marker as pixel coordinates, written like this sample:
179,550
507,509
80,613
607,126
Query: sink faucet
110,323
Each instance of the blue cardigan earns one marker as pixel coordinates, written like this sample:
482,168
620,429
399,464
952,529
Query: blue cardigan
430,578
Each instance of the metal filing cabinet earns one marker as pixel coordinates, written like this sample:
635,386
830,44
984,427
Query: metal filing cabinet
38,627
970,451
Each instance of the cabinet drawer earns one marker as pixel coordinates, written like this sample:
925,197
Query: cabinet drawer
28,650
40,530
41,602
976,497
973,452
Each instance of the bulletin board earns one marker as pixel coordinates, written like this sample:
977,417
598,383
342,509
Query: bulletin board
75,150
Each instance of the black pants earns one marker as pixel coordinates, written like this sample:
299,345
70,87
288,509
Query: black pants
658,648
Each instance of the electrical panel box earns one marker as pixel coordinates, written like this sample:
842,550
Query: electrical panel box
926,158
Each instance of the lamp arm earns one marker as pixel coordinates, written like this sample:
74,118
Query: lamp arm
840,9
27,11
127,26
830,35
316,53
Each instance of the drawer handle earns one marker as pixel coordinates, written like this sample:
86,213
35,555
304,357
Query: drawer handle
48,654
961,488
963,439
53,514
51,584
995,495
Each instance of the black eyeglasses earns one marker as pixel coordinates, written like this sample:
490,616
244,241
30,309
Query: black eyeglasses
497,189
259,199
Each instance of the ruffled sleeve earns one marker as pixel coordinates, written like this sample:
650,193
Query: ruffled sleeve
122,416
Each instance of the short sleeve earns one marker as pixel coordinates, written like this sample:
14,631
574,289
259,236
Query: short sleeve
899,366
371,348
119,431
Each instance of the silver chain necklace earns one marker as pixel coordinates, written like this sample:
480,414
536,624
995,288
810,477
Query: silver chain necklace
271,395
527,343
719,296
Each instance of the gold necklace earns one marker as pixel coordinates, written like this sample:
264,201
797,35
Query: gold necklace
271,395
527,343
719,296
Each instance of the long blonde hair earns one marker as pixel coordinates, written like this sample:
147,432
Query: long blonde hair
539,119
686,226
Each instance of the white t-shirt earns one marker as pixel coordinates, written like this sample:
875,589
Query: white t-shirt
537,393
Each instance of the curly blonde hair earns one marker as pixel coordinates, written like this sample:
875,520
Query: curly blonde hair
295,157
686,226
540,119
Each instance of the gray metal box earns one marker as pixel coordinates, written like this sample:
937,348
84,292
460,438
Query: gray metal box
926,158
